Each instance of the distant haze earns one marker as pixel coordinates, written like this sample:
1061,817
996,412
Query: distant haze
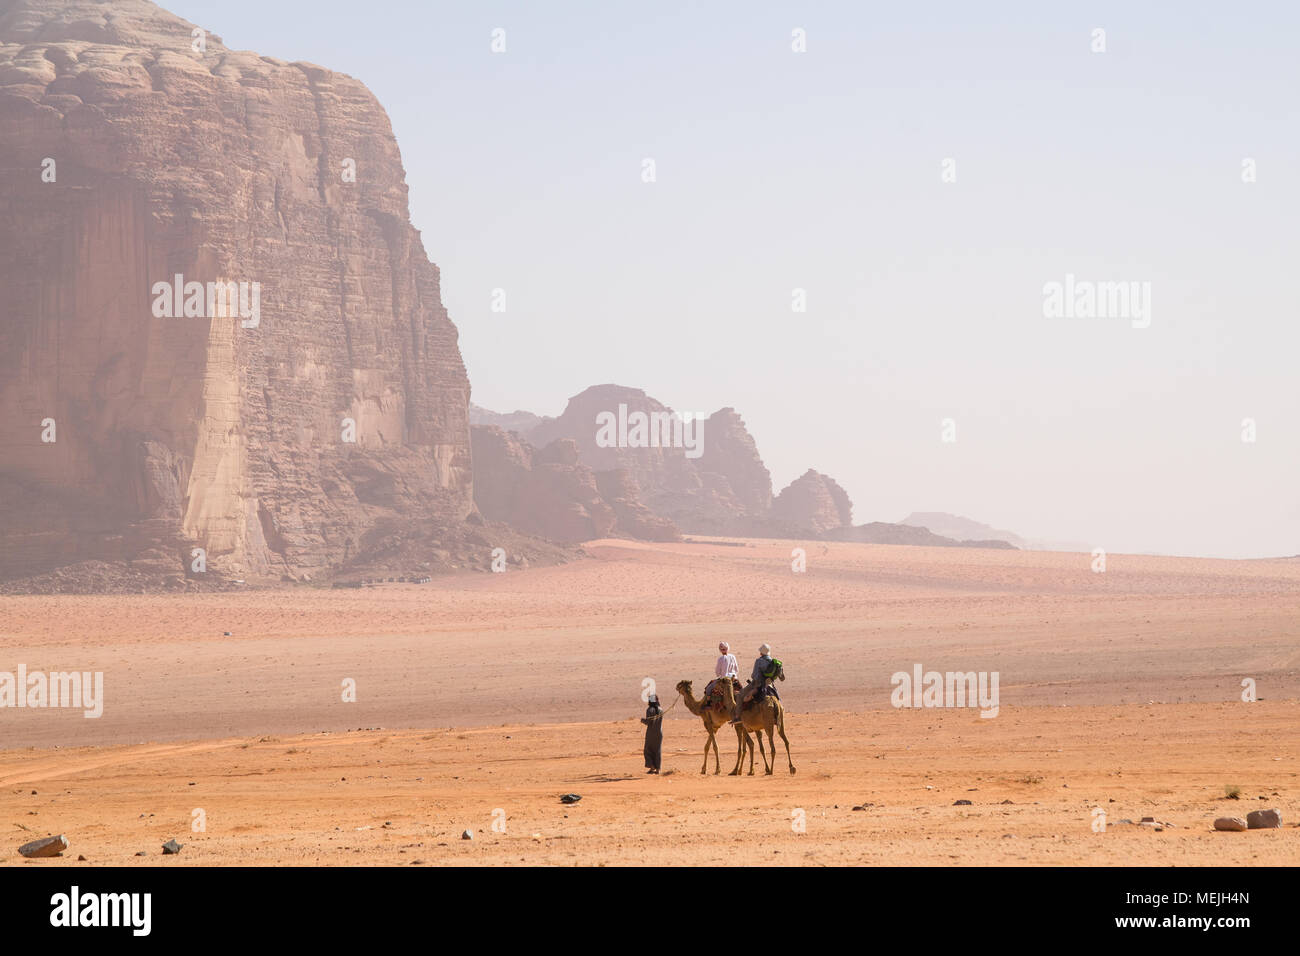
821,171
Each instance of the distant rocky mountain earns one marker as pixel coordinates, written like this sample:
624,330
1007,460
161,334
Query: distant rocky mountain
658,488
966,531
521,422
816,501
959,528
550,493
704,475
880,532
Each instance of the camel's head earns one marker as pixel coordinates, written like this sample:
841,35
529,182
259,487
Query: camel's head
683,687
780,671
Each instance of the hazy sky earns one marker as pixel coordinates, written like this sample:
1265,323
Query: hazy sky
821,170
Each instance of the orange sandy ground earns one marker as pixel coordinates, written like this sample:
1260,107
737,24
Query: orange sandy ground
379,798
519,687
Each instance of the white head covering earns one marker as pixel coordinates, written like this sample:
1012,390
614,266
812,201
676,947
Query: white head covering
724,647
764,650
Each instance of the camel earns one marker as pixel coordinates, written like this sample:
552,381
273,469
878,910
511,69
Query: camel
766,715
714,718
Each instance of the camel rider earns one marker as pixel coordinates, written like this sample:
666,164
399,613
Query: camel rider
727,668
727,665
764,668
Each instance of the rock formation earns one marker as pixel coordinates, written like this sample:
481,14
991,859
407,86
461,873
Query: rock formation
656,469
814,501
134,149
959,528
725,490
517,421
712,481
634,519
881,532
729,451
545,491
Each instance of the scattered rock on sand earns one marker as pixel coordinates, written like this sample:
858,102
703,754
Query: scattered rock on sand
1263,819
1230,823
170,847
50,846
467,835
961,803
570,798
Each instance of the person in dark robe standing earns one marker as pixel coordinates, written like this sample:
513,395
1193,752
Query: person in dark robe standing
654,734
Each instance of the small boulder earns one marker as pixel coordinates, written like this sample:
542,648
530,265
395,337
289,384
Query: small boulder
961,803
50,846
170,847
1263,819
1233,824
467,835
570,798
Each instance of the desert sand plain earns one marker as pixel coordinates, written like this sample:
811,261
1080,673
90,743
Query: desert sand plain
481,698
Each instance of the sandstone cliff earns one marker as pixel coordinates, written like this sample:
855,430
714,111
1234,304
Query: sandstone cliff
550,493
814,501
712,482
716,485
730,451
633,519
539,491
131,152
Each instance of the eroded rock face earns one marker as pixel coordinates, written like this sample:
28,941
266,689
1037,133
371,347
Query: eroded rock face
549,492
656,469
633,518
729,451
711,482
545,492
128,157
814,501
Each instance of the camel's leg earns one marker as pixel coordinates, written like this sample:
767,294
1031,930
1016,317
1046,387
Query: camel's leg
717,767
750,744
704,768
786,741
740,751
759,735
772,746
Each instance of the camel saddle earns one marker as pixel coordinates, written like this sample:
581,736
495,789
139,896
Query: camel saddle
713,692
